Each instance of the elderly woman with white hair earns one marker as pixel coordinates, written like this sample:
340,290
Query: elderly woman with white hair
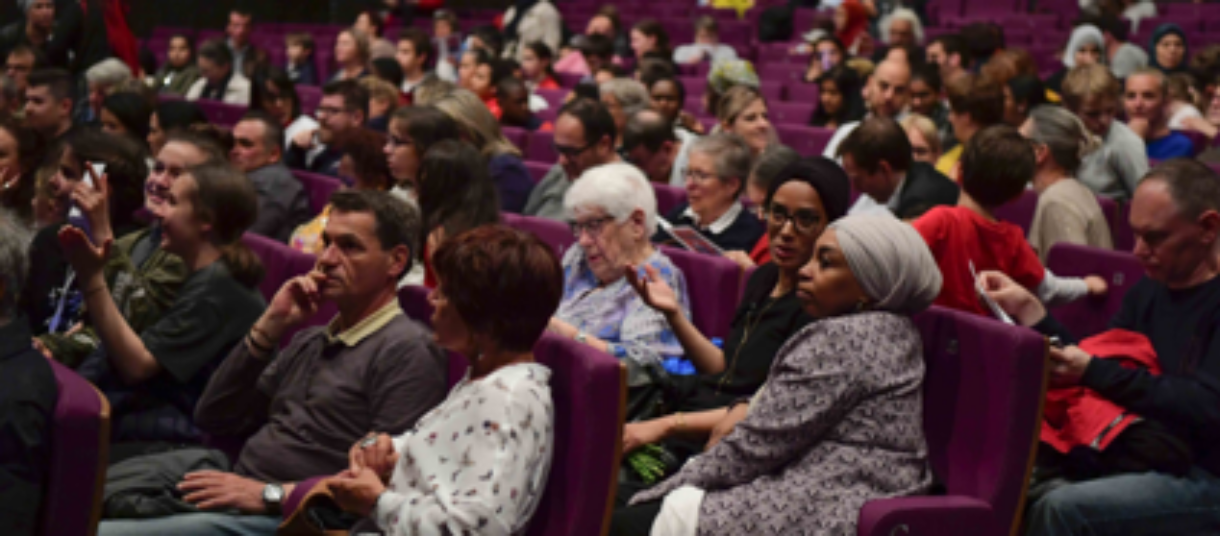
623,97
1086,46
613,211
717,169
839,421
901,28
103,77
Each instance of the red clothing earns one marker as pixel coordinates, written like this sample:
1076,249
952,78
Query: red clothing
548,83
429,275
762,251
122,42
957,236
857,23
493,104
1077,416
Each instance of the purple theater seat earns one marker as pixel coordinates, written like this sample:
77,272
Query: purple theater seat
538,170
519,137
712,284
80,447
1110,208
772,92
790,113
225,115
1021,211
668,197
802,92
309,96
808,141
318,187
982,411
1124,237
281,263
541,147
568,80
558,235
1091,315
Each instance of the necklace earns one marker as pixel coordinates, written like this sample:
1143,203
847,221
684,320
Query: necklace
728,375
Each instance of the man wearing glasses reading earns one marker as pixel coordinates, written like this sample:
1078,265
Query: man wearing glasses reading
584,139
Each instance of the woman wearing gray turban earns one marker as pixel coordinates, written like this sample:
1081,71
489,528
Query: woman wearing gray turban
839,421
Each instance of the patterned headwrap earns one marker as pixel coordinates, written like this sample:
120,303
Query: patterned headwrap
728,73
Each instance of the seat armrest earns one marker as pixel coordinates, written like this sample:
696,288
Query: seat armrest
931,515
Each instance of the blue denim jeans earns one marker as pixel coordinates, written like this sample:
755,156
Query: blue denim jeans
1130,505
202,524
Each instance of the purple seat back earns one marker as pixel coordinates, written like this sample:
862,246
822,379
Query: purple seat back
982,412
310,97
1091,315
557,234
519,137
281,263
589,389
554,97
318,187
668,197
712,284
225,115
808,141
1110,209
1124,237
538,170
790,113
1019,212
802,92
541,147
80,445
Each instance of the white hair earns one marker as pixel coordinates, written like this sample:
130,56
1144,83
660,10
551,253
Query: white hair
630,94
906,14
109,72
617,188
14,263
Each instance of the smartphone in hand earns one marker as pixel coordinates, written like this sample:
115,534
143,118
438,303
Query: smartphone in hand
75,216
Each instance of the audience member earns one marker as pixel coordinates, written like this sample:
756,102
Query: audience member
48,104
584,138
652,144
179,72
456,194
877,157
169,117
529,21
1180,99
1113,171
386,69
20,155
851,28
996,167
537,66
246,58
1086,47
707,46
870,276
276,94
743,111
301,67
612,209
1067,210
28,395
35,28
371,23
828,53
344,106
623,98
505,389
19,64
514,97
1167,49
1174,214
975,102
668,97
351,55
383,100
476,75
219,80
949,52
414,130
11,99
606,23
1146,101
486,38
724,76
766,171
127,114
283,203
1022,93
924,138
102,79
413,54
477,126
927,99
649,36
1122,56
716,173
901,28
364,166
839,99
886,94
369,368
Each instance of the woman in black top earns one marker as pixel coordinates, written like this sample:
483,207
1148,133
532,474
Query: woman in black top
839,98
809,194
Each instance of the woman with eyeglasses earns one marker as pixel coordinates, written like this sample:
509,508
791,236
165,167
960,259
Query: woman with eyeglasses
807,196
924,138
716,173
613,211
414,129
276,94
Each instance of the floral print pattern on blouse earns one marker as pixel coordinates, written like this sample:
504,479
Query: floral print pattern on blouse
616,314
478,463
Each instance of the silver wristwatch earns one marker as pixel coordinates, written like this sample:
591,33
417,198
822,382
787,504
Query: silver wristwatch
580,337
273,498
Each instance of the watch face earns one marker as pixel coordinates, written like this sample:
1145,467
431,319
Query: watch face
273,493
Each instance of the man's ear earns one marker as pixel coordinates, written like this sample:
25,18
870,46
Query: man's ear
1210,222
65,106
399,256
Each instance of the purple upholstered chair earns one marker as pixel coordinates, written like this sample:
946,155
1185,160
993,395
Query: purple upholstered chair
1124,237
802,92
318,187
80,445
668,197
982,411
557,234
1091,315
281,263
1113,213
713,285
538,170
309,96
225,115
790,113
541,147
1021,211
808,141
519,137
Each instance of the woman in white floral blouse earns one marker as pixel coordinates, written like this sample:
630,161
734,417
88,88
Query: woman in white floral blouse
477,463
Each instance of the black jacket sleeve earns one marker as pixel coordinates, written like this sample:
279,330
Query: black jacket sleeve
1188,402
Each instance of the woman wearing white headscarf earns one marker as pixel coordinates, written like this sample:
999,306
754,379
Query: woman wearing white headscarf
1087,46
839,421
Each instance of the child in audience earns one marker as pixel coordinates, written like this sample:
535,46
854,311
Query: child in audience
482,76
996,166
514,100
536,66
301,68
839,99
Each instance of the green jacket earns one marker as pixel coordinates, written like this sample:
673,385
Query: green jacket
142,294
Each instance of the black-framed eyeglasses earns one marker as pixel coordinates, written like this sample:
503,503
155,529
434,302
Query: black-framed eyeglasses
697,175
571,152
593,226
805,221
330,110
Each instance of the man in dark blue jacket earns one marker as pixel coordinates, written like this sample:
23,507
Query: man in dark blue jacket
1176,218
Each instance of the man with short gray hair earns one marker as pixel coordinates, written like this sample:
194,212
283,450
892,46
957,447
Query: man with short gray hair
28,394
282,202
656,147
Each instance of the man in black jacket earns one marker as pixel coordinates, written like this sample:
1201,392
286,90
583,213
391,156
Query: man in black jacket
877,159
1176,219
344,106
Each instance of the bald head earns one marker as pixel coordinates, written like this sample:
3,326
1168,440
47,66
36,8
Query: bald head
650,144
887,90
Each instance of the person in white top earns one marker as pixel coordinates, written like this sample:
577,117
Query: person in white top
478,463
886,93
707,46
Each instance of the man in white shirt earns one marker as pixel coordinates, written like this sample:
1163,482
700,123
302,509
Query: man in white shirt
657,148
707,46
886,94
413,52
